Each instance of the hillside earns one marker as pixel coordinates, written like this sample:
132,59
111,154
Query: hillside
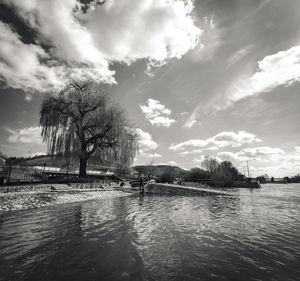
60,162
156,170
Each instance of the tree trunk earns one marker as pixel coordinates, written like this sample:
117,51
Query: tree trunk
82,166
83,160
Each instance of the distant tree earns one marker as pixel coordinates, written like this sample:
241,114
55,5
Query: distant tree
80,121
167,176
148,170
261,178
122,171
195,174
210,164
226,173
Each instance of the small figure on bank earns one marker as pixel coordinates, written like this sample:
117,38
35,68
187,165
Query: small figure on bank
181,182
141,184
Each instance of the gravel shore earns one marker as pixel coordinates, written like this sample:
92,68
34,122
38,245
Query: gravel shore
13,201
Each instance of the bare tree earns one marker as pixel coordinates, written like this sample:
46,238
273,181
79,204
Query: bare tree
210,164
80,121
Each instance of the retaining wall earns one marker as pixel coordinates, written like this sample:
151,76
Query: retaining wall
172,189
48,187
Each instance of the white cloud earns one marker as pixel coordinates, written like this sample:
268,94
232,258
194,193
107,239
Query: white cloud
157,113
87,43
157,30
190,122
223,139
188,152
173,163
265,159
297,149
145,140
153,155
30,135
193,118
280,69
210,41
262,153
227,155
29,67
146,144
199,160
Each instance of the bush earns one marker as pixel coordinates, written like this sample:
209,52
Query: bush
196,174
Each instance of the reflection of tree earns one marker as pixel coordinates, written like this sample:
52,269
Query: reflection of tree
110,237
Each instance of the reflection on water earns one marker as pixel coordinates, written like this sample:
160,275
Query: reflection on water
252,235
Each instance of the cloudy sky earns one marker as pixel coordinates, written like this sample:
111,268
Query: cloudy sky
203,77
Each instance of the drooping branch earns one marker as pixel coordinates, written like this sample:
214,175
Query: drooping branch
80,121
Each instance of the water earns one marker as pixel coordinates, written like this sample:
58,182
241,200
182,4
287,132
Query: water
253,235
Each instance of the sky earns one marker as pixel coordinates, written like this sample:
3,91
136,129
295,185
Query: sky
217,78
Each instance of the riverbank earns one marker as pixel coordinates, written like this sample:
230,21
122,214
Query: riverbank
13,201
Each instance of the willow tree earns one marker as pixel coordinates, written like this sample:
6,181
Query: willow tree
80,121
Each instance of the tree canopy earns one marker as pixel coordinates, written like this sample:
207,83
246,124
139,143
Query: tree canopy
221,171
80,121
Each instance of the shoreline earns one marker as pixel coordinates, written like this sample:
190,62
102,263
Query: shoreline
25,200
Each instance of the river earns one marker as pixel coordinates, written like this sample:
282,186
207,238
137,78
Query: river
251,235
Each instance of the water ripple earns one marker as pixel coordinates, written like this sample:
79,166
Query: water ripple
253,235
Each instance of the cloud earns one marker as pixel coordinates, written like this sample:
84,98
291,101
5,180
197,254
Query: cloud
153,155
193,118
188,152
157,113
210,41
239,55
191,121
87,43
199,160
172,163
263,151
265,159
30,135
220,140
29,67
227,155
280,69
157,30
261,154
297,149
145,142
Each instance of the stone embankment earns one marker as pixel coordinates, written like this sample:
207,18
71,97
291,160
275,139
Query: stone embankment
14,198
172,189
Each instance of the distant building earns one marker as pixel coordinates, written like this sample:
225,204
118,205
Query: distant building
47,169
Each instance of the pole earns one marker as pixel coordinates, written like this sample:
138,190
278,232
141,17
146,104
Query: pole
248,169
9,171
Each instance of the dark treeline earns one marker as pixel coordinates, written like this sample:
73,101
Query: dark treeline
212,171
